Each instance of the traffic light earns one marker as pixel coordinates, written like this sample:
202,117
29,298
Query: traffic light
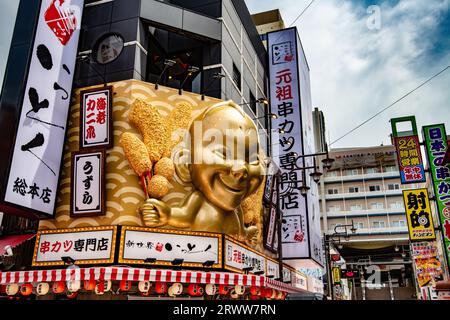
350,274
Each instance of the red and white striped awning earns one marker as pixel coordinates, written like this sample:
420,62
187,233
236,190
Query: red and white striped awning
141,274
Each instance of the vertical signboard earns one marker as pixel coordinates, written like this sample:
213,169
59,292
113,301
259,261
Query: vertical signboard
34,170
96,118
435,139
88,184
290,100
418,214
409,156
427,266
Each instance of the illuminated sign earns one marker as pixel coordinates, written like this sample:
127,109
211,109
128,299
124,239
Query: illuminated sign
240,258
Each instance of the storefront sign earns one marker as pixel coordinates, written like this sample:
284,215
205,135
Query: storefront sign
195,248
336,275
93,245
88,175
270,227
290,100
315,285
427,266
418,214
273,269
238,258
435,139
299,280
269,186
409,156
96,118
34,172
287,275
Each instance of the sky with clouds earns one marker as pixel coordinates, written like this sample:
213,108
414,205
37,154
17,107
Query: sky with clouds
8,12
356,70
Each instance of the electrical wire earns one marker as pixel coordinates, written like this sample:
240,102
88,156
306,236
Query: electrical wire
392,104
301,13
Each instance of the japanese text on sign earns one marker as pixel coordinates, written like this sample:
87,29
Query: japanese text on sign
418,213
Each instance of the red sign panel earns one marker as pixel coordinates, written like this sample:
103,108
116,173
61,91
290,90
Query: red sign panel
409,159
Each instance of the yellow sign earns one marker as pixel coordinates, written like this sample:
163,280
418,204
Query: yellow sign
418,214
336,275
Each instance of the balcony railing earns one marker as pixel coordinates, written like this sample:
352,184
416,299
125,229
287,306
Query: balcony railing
368,194
374,212
366,176
374,231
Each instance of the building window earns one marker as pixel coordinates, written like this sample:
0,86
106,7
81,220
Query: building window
390,169
371,170
352,172
236,76
359,225
353,189
334,208
252,103
355,207
397,205
378,224
398,224
374,188
376,205
332,173
393,186
333,191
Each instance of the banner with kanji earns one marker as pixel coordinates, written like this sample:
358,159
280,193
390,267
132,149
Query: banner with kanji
418,214
408,151
435,139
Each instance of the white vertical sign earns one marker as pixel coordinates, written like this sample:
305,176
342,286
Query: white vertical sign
34,172
285,103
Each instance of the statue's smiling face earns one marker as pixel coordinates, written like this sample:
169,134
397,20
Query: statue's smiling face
225,163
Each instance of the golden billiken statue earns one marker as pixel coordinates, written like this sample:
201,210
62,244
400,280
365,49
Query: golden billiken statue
220,159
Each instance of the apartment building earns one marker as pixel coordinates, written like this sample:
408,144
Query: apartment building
364,187
268,21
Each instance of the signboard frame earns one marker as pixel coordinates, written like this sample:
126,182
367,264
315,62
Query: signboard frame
408,212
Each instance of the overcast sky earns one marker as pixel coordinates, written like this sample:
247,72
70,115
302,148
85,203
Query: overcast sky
356,70
8,11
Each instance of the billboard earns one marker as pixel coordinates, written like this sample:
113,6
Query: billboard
409,157
436,146
418,214
42,126
291,102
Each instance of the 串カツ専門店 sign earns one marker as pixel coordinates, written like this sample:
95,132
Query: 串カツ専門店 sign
34,171
418,214
91,245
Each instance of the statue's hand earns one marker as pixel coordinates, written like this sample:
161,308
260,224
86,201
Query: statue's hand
252,235
155,213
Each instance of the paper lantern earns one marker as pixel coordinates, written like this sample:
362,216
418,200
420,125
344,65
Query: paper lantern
89,285
255,291
161,288
73,285
175,289
58,287
210,289
144,286
269,293
239,289
26,289
42,288
102,287
125,285
223,289
12,289
195,290
72,295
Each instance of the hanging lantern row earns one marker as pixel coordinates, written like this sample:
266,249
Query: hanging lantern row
71,289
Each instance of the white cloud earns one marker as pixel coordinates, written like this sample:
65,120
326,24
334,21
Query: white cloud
355,71
7,18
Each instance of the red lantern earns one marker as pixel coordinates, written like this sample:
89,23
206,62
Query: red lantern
26,289
195,290
125,285
89,285
160,287
72,295
58,287
269,293
255,291
254,297
223,289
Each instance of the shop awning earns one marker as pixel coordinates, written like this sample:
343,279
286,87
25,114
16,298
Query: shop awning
13,241
141,274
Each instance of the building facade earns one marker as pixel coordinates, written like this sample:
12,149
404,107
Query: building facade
364,188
